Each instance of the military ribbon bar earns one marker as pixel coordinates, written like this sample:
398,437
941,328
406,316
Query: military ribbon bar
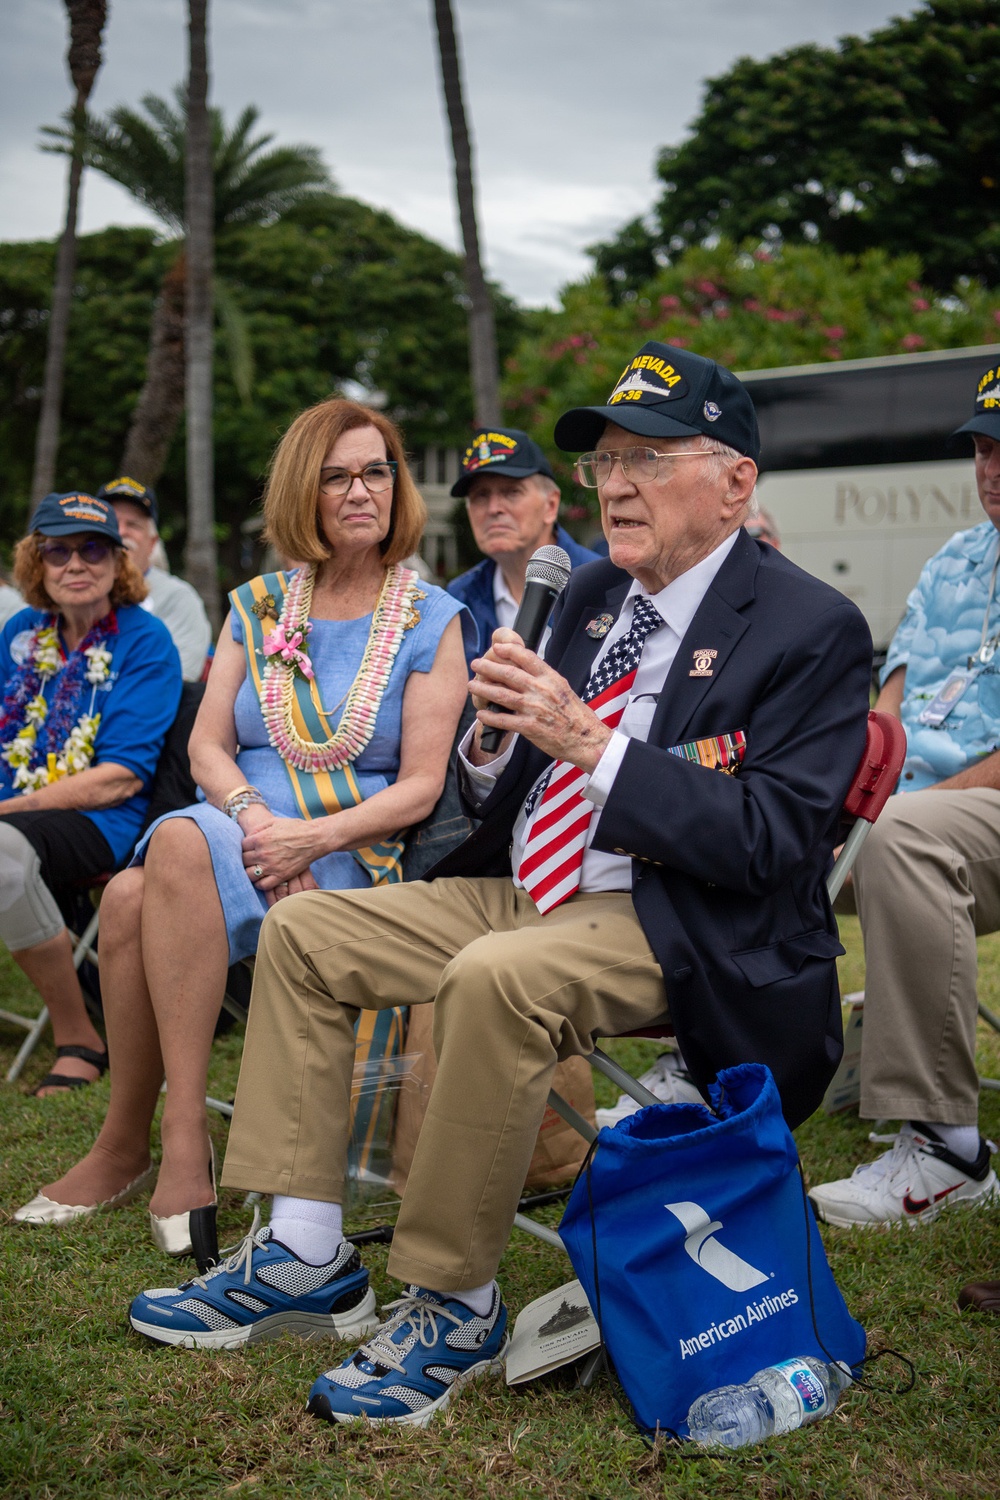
722,752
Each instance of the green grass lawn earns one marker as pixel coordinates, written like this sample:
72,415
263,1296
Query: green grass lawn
88,1408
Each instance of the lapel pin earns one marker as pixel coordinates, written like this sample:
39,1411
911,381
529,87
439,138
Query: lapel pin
703,659
600,627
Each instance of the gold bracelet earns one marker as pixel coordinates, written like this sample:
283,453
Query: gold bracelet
242,795
246,787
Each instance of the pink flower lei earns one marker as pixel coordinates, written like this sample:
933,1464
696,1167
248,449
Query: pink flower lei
285,650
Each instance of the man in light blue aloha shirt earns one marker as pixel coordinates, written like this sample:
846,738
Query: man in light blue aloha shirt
928,880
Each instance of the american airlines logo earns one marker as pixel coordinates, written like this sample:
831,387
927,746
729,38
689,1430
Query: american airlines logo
705,1250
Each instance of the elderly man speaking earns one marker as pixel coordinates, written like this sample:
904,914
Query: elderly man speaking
655,834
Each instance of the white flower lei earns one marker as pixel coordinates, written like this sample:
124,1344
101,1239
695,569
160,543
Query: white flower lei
77,751
393,615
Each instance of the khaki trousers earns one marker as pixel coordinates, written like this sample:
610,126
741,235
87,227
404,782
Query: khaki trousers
927,883
514,993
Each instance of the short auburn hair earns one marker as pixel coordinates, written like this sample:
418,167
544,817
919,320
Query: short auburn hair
129,586
291,495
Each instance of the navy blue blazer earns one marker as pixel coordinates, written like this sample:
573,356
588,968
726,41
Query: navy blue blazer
475,589
728,872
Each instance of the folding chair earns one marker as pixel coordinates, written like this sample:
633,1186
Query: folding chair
993,1020
873,784
172,787
83,950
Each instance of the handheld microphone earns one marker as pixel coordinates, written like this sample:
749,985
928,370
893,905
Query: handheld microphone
545,577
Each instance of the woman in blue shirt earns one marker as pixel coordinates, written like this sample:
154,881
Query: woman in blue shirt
91,686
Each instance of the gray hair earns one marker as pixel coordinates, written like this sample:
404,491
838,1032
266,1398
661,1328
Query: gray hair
725,456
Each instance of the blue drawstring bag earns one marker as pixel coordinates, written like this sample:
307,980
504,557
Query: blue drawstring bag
702,1262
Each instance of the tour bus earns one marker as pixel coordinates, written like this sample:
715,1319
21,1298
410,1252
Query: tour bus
857,470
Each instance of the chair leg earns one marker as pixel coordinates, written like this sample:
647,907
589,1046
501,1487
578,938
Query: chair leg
83,945
621,1077
521,1221
571,1116
29,1044
592,1366
993,1020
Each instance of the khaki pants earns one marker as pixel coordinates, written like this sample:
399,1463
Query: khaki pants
927,883
514,992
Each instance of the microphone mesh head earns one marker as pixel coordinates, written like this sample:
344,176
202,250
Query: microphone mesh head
549,565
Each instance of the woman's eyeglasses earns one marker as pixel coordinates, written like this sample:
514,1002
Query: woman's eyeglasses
374,477
58,554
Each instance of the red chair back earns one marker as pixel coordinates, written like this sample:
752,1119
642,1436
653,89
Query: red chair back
878,769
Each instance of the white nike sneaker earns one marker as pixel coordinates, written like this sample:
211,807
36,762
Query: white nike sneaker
910,1184
668,1079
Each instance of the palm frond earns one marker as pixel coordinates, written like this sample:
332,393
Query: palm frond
269,184
255,183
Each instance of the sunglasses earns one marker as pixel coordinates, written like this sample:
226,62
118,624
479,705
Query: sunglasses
92,552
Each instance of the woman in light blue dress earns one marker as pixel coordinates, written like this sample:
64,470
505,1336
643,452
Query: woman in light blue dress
325,729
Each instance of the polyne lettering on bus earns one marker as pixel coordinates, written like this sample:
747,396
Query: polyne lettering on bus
875,507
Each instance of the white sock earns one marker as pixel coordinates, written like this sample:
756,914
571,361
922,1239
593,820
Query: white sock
961,1140
478,1298
311,1230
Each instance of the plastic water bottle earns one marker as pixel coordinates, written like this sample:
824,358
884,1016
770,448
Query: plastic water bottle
776,1400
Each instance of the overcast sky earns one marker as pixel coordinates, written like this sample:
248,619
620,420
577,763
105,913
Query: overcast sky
569,101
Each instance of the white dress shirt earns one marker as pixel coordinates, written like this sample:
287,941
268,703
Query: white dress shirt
503,601
678,604
506,607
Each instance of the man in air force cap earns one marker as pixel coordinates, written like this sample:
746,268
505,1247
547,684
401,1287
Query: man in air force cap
513,504
655,836
927,882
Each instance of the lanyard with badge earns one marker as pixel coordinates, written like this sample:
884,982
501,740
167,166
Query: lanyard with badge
958,681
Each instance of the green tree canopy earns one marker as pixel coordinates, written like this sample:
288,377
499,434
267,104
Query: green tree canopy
252,184
333,292
750,309
890,141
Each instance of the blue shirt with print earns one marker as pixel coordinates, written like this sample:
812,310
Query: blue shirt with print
941,629
137,705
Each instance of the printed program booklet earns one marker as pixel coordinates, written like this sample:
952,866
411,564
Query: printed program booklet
551,1331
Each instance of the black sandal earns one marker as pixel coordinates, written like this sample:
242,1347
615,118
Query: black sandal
98,1060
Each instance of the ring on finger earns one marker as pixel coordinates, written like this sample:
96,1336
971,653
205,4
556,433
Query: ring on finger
258,871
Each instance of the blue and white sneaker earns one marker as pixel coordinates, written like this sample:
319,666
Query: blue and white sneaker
428,1348
261,1292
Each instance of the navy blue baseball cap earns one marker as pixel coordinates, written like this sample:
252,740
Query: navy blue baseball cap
506,448
986,416
124,488
64,515
668,392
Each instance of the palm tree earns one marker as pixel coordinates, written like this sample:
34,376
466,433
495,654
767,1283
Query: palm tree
200,559
252,185
482,328
86,24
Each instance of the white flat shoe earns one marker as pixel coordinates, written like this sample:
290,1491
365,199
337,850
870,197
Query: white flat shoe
190,1233
42,1210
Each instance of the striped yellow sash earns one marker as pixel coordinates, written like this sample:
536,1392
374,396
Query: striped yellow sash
321,792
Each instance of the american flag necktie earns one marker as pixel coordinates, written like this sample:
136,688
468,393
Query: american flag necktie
553,853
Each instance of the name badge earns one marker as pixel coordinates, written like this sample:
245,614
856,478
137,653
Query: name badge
940,707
